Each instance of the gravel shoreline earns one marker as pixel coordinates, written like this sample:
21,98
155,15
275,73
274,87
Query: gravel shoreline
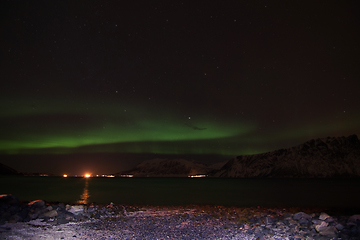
59,221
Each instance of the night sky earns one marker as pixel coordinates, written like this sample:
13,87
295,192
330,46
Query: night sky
99,86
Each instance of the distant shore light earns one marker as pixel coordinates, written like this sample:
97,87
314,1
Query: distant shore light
126,175
65,175
87,175
197,176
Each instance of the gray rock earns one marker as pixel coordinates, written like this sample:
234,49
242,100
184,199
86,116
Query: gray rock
38,222
354,218
14,209
66,215
316,221
269,220
339,227
320,226
323,216
76,209
329,231
62,221
91,209
49,208
37,204
34,215
299,215
5,216
51,214
15,218
24,214
303,221
329,220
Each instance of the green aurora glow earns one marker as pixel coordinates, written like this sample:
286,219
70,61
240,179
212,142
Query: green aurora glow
137,129
113,129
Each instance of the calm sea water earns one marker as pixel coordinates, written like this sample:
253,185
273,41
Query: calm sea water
183,191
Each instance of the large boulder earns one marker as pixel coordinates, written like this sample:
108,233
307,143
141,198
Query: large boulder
76,209
9,199
36,208
9,207
37,204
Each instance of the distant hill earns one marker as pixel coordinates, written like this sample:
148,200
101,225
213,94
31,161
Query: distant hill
317,158
168,168
5,170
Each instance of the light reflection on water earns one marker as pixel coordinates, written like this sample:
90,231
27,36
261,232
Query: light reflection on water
185,191
84,198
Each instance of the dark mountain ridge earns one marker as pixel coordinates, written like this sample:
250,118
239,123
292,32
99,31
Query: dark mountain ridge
5,170
168,168
317,158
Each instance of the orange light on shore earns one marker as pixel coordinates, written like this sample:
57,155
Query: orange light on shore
65,175
87,175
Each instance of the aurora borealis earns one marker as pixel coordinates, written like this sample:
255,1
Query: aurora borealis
114,80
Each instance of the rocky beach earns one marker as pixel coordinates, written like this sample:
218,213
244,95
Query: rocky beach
42,220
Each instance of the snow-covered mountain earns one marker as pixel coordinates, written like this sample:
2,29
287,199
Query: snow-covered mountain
327,157
168,168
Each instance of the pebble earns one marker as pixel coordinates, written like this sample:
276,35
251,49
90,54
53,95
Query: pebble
181,222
